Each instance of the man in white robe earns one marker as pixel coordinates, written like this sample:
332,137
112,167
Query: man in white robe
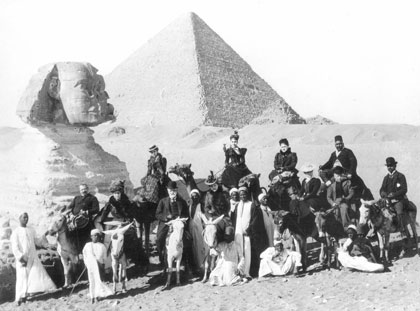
243,218
196,229
31,276
94,256
268,218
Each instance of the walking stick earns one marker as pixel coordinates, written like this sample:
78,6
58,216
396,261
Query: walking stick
78,279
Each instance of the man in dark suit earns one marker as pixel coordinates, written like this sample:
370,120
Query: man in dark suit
394,189
169,208
339,195
84,203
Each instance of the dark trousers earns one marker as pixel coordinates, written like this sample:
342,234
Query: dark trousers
161,234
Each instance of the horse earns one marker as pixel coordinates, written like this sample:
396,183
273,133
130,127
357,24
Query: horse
383,220
174,248
212,234
118,257
69,245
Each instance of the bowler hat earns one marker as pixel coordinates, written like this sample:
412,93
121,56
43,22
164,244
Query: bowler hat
153,148
390,161
172,185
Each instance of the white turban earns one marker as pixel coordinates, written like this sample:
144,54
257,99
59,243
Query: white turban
233,190
194,191
261,196
95,231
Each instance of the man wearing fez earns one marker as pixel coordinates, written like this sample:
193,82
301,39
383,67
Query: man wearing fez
169,208
345,158
394,189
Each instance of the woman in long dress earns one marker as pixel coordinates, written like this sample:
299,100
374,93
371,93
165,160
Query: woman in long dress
235,167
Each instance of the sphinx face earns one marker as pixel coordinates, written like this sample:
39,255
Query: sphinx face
68,93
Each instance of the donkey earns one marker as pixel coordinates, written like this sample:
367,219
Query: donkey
118,257
174,248
68,246
210,238
382,219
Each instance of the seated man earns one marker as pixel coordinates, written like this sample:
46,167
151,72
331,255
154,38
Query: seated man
85,203
357,252
345,158
394,189
169,208
279,261
339,195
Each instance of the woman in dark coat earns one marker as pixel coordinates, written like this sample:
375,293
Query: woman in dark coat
235,167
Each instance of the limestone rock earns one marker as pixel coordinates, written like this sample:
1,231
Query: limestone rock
187,75
319,120
67,93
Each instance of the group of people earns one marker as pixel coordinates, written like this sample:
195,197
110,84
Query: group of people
249,246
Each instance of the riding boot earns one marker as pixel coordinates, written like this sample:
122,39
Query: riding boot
401,226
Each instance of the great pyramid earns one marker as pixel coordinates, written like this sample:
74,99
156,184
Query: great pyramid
188,75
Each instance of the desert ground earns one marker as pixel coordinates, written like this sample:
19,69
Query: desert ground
396,289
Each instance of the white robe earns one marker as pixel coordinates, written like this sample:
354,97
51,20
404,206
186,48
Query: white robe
275,263
359,263
92,254
268,224
229,261
33,278
243,217
196,230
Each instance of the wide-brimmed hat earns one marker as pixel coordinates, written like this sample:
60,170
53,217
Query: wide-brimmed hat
153,148
306,168
172,185
390,161
211,179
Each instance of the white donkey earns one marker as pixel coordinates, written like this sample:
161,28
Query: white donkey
210,238
174,247
118,257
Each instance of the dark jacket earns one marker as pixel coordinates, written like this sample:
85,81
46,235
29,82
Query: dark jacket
233,158
286,161
347,159
394,186
346,195
117,209
216,203
310,189
156,166
176,209
87,203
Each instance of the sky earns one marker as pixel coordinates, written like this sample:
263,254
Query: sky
350,61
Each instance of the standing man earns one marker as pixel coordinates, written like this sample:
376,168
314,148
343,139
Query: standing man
394,189
31,276
339,195
168,209
94,255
